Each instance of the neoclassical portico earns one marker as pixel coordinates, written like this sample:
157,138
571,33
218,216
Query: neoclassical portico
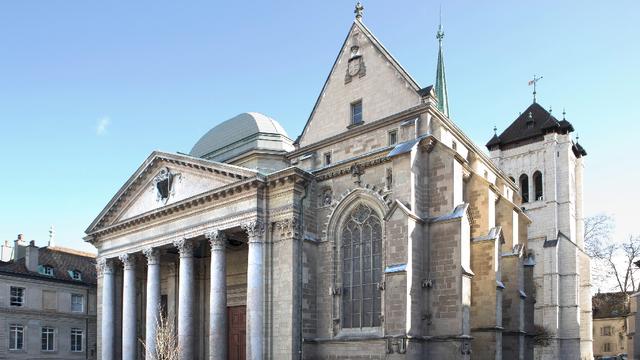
128,265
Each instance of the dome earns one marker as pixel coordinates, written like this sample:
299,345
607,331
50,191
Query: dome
242,134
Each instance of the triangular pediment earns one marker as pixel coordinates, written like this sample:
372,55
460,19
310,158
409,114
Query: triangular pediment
363,71
165,179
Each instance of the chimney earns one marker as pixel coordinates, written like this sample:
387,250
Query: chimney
31,256
19,247
6,251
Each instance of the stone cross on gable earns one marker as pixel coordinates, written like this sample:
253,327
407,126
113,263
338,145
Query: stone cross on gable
358,11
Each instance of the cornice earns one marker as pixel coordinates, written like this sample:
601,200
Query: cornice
472,146
292,175
359,130
361,162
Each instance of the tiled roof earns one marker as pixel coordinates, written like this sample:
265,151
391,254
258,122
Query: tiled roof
62,261
608,305
531,125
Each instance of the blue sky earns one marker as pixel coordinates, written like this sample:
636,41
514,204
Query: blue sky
89,89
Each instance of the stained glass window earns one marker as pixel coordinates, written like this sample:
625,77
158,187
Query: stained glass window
361,242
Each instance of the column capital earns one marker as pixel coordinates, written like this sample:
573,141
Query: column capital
129,261
104,266
217,239
185,247
153,255
255,230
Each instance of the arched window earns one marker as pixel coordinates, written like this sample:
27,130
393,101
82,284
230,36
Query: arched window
524,187
361,245
512,179
537,185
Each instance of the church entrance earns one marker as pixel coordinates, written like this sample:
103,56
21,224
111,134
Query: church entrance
237,332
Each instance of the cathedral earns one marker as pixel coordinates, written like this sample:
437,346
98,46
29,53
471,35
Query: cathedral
380,232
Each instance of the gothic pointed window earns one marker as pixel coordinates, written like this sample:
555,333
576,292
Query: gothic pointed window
537,185
524,188
361,250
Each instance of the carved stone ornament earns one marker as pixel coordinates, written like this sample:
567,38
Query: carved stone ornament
465,349
254,229
185,247
104,266
163,184
397,346
289,227
152,255
128,260
217,239
428,144
355,67
357,171
327,197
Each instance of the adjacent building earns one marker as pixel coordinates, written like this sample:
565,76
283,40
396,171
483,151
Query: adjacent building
47,303
610,324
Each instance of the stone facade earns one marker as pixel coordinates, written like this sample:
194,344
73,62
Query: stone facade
32,302
386,234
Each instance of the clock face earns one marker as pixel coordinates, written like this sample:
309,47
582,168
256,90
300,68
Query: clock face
354,66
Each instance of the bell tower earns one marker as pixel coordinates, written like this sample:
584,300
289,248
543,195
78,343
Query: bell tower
538,153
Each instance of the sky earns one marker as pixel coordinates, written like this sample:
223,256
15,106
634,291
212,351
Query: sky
89,89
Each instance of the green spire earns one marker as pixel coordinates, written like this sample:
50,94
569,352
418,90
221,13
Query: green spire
441,79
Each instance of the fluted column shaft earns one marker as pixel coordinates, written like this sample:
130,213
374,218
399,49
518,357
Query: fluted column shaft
218,297
105,267
255,289
186,295
129,338
153,301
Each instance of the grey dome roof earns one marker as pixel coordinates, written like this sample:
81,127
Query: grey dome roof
239,134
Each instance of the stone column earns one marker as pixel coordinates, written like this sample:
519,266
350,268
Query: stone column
255,289
153,300
186,297
129,336
218,296
107,319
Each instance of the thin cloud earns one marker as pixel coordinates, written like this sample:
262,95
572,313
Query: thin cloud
103,125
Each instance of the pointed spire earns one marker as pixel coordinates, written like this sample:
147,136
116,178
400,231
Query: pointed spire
441,79
564,114
358,11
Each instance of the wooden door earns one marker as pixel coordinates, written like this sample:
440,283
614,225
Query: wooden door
237,332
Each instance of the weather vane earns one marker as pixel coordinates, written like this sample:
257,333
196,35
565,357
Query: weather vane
534,82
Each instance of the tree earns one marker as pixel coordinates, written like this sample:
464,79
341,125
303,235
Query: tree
166,340
613,261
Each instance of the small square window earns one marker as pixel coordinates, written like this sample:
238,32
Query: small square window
327,158
77,303
356,112
393,137
17,296
76,275
46,270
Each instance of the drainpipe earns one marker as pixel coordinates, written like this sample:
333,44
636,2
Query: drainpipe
300,250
